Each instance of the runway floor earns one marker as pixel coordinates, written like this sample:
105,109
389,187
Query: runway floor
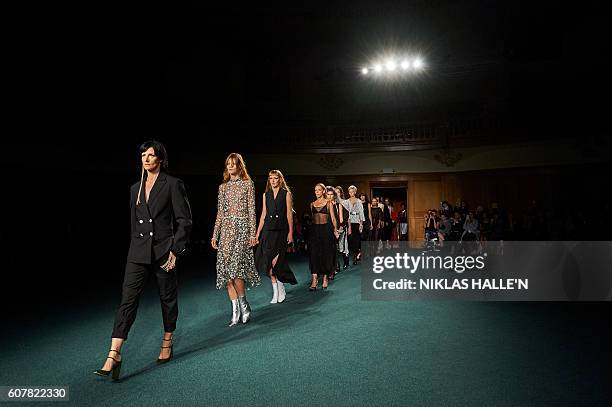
322,348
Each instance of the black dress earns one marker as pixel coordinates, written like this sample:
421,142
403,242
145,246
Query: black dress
366,224
322,242
377,218
386,231
273,239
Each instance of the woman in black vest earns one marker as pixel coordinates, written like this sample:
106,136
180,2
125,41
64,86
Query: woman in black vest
274,234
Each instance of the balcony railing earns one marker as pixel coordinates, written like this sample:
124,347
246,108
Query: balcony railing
399,137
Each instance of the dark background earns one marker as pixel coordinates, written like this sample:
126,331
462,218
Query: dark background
88,83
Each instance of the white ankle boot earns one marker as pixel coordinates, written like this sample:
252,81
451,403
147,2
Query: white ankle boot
275,295
245,309
281,291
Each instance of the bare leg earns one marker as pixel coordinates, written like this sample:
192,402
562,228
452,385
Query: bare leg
239,287
116,344
314,282
231,290
272,276
325,282
165,353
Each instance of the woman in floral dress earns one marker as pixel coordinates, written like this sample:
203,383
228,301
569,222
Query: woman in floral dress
234,236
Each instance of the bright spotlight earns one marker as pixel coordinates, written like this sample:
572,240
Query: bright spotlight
390,66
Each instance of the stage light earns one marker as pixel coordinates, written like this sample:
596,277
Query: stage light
392,65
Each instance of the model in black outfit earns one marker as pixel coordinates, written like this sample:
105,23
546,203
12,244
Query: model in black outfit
323,234
274,234
367,224
161,223
377,221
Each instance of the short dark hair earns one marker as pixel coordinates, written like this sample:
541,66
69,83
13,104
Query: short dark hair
160,152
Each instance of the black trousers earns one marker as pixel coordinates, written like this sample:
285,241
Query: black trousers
354,239
133,284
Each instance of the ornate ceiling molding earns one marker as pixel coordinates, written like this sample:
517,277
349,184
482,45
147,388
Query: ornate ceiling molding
448,157
330,161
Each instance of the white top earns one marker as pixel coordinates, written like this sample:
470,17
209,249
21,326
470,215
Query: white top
355,210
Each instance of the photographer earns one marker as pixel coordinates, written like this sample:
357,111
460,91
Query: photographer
444,229
470,232
456,228
445,209
431,225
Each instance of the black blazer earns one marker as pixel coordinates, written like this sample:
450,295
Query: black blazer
162,224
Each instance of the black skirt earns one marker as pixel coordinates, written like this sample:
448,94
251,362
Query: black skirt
273,243
322,247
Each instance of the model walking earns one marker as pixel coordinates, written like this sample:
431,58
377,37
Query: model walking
234,236
322,234
355,223
275,234
160,226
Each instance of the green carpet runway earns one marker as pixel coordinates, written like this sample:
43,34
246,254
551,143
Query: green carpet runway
321,348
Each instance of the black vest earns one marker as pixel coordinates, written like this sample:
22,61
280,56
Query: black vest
276,211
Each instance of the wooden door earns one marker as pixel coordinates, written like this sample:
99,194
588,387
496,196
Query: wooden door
423,195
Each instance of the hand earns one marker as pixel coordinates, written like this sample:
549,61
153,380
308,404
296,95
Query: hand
289,238
170,263
257,239
350,230
336,233
361,228
252,242
213,243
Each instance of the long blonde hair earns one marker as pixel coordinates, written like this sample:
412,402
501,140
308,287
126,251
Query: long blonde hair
239,161
283,183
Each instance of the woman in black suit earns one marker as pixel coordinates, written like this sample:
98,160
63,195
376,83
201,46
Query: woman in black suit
161,223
